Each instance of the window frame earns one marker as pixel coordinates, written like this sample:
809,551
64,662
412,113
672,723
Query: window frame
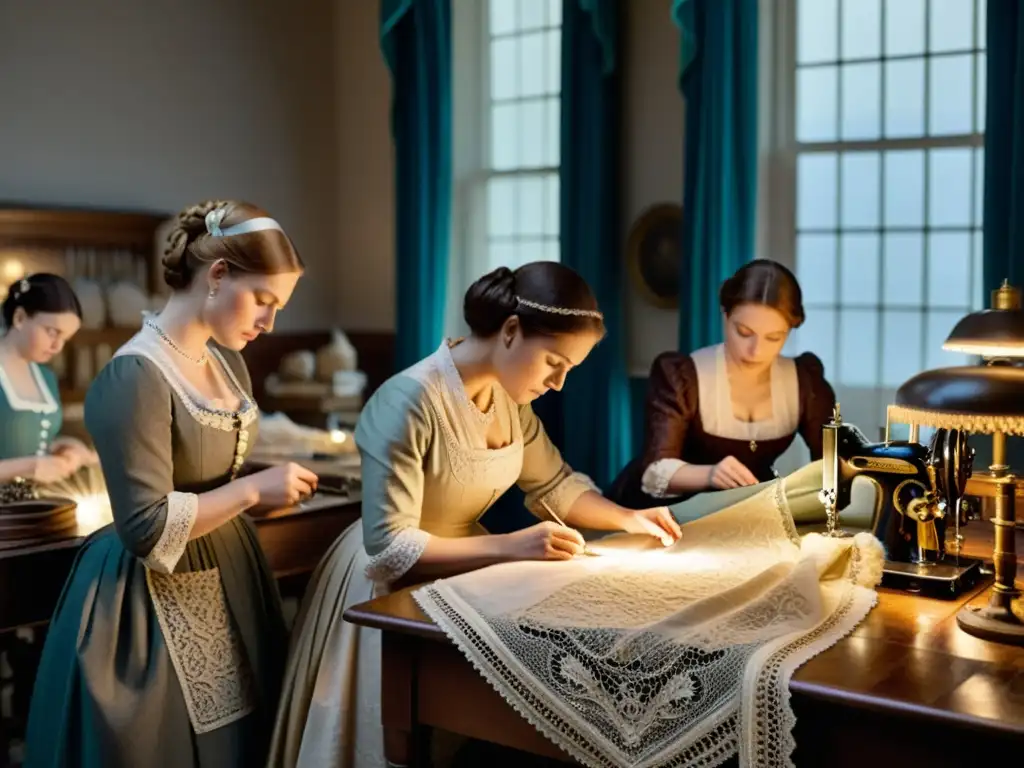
778,154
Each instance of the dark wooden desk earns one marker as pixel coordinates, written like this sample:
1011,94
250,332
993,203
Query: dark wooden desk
906,688
294,540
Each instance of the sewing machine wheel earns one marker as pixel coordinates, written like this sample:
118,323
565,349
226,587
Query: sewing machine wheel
954,460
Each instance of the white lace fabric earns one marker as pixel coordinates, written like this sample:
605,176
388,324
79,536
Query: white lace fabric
658,475
182,510
647,656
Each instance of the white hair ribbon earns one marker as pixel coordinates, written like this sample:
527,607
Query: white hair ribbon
215,217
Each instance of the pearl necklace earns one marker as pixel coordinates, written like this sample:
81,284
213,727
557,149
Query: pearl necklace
201,360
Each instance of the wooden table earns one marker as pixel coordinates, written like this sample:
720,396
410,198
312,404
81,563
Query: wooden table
906,688
294,540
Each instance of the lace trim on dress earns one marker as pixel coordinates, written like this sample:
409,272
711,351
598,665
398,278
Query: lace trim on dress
657,476
147,344
398,557
206,652
182,509
48,404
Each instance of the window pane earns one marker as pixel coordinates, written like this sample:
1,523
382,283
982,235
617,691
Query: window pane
981,28
817,30
862,101
502,17
979,186
816,191
938,328
555,13
859,254
531,250
949,270
904,188
951,25
858,339
904,98
531,208
950,104
504,68
501,254
904,27
553,61
504,138
552,145
532,13
979,94
816,259
816,104
552,250
818,335
501,207
901,346
553,205
949,187
532,130
862,29
860,189
532,78
904,269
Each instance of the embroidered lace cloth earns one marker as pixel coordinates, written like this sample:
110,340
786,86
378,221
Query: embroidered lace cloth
665,657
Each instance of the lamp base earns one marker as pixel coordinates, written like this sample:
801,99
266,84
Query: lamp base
1001,621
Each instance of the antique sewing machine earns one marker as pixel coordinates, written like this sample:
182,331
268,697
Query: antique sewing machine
918,494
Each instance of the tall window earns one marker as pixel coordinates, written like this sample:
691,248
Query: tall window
886,143
507,133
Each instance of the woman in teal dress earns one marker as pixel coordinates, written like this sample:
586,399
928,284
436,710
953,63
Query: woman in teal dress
166,647
40,314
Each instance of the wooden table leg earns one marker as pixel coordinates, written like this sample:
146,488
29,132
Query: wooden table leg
398,701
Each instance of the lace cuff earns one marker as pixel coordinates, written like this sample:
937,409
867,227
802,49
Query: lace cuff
398,557
657,476
561,498
182,509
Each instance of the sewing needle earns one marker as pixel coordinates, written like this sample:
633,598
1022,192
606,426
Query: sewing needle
557,519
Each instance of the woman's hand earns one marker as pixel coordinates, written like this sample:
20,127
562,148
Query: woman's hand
54,468
282,486
730,472
656,521
76,450
544,541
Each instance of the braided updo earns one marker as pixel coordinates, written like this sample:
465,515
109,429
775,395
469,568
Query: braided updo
190,245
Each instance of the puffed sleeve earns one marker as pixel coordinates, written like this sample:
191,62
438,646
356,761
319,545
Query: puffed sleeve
128,415
548,482
817,399
671,404
393,435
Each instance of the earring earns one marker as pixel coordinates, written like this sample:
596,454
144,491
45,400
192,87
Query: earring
212,293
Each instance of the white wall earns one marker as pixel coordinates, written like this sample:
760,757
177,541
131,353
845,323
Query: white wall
158,104
652,157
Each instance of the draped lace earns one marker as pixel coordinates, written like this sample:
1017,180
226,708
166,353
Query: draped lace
182,509
647,656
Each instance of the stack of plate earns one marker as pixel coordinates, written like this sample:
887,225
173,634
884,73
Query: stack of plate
36,521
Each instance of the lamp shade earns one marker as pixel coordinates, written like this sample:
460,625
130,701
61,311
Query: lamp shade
977,399
989,333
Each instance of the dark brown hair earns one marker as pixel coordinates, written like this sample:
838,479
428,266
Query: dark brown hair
766,282
498,295
189,245
41,292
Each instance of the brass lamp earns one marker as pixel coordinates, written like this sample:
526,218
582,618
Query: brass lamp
984,399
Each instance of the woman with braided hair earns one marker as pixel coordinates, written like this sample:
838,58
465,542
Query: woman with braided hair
166,647
440,443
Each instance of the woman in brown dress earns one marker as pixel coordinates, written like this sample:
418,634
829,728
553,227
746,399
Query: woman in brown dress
721,416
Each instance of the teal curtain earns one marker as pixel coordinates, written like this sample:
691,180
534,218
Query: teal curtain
596,430
1004,146
718,78
415,38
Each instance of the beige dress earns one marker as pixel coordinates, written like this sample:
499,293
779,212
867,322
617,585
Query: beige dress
427,472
